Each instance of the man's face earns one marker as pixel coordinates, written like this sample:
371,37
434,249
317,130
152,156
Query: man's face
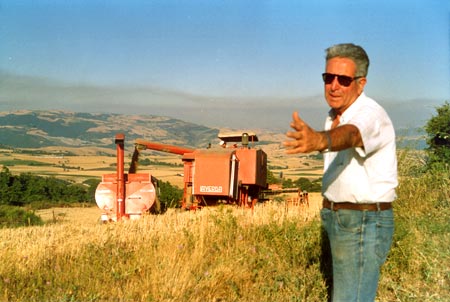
338,96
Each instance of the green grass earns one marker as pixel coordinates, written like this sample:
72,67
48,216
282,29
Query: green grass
418,268
12,217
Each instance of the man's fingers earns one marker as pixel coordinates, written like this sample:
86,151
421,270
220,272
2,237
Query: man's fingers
296,118
294,145
292,134
298,136
297,123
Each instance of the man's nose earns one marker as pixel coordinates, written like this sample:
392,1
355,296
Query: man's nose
335,84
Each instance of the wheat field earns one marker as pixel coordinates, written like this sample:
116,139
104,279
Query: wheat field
177,256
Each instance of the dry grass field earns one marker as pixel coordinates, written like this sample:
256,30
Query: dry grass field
214,254
273,253
90,216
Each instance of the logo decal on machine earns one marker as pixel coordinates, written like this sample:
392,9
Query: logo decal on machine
211,189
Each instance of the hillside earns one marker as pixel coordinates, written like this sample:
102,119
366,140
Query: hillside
66,129
37,129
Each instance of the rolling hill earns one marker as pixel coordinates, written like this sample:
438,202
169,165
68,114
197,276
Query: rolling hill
66,129
38,129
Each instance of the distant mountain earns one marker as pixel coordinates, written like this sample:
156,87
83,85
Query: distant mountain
39,129
36,129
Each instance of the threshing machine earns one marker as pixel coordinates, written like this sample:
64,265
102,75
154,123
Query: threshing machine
230,175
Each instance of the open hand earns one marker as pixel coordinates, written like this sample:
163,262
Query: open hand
304,139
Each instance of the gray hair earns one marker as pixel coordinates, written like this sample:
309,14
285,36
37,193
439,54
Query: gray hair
354,52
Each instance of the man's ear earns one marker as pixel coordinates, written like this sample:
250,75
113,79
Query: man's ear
361,83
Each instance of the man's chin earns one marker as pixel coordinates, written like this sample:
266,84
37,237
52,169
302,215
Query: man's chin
334,103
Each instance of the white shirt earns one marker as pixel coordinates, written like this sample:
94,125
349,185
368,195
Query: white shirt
363,175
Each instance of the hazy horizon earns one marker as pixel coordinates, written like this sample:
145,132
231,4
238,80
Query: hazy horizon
272,113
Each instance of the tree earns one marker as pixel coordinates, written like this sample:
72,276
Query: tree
91,184
438,140
5,183
26,189
271,179
169,195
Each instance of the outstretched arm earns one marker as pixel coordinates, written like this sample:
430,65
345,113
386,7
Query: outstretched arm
304,139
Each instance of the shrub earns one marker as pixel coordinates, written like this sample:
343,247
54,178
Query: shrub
11,216
438,130
170,196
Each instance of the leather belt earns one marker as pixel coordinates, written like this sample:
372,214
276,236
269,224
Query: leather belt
378,206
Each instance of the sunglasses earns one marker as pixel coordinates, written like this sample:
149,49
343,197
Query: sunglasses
343,80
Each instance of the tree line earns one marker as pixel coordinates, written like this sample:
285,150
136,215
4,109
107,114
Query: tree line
27,189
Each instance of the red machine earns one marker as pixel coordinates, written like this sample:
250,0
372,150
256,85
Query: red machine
234,175
122,195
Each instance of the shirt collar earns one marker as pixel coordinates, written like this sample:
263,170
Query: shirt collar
347,115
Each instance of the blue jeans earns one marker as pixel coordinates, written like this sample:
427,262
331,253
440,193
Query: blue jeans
359,242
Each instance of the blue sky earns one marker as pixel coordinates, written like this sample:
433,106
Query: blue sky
206,53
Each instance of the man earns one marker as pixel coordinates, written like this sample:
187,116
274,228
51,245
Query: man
360,174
